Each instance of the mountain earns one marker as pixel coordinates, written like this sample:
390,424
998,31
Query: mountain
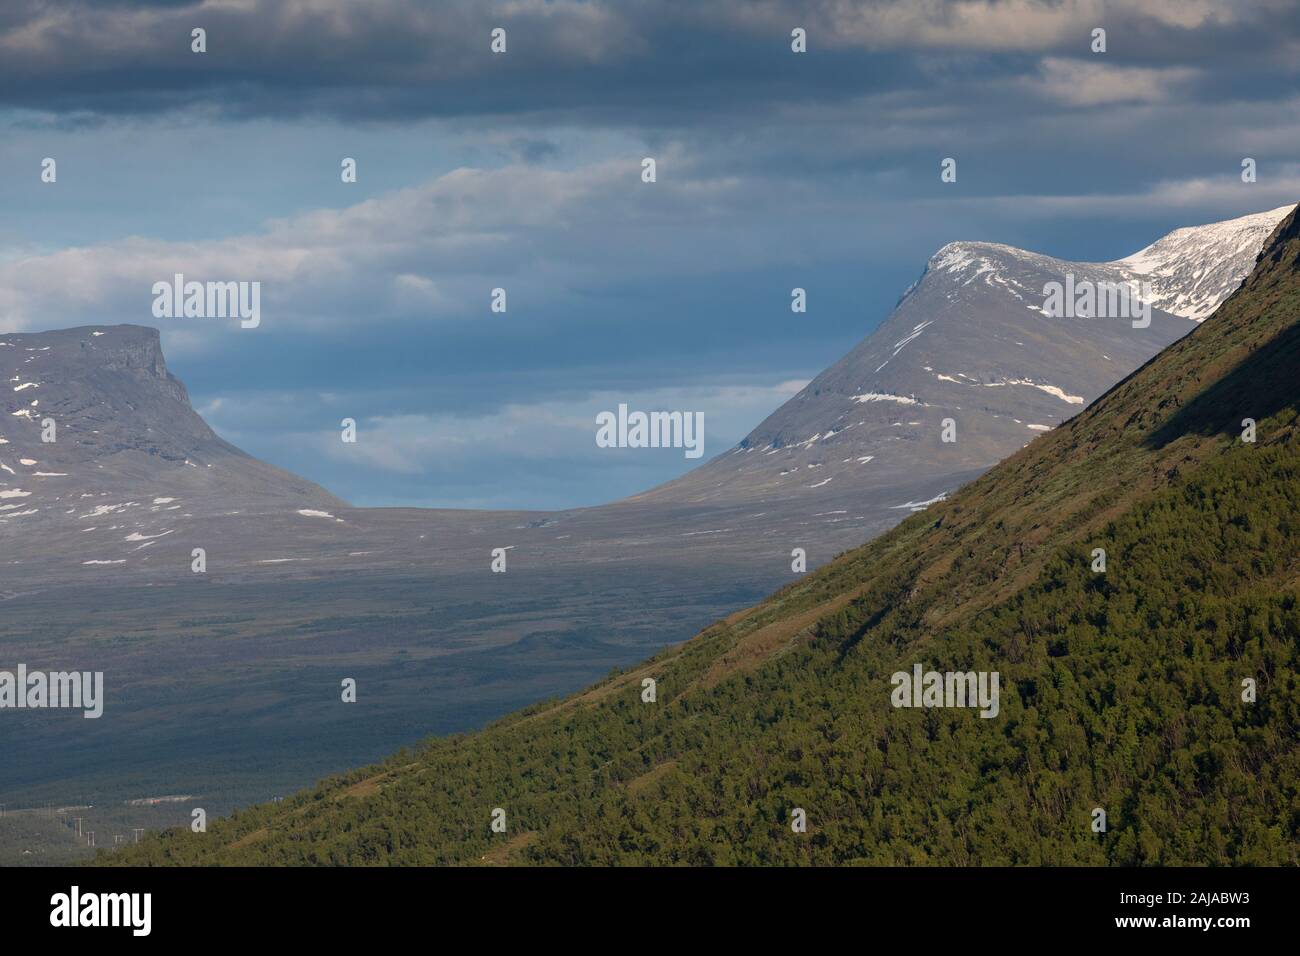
124,427
1192,270
971,341
130,461
1161,691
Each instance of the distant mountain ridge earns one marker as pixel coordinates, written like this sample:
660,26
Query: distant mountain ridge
971,341
1194,269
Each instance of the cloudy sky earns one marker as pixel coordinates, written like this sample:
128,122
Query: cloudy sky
522,170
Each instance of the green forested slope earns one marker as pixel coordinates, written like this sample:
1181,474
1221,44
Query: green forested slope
1120,690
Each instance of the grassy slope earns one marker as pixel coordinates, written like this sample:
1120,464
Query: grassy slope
1119,691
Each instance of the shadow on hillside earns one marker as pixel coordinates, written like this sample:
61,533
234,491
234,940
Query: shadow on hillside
1262,385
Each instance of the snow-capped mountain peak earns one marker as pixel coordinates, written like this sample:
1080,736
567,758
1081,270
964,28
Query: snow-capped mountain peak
1192,270
972,342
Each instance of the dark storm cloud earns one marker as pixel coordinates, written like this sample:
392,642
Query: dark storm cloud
603,62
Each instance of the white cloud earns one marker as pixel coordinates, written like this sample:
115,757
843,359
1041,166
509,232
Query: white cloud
1096,82
514,435
429,252
994,25
560,430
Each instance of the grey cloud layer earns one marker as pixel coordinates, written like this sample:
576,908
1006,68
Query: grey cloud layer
595,60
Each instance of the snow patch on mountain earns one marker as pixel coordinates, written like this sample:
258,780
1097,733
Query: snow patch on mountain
883,397
921,505
1193,270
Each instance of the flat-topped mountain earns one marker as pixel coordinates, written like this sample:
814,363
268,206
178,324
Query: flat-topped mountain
123,428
